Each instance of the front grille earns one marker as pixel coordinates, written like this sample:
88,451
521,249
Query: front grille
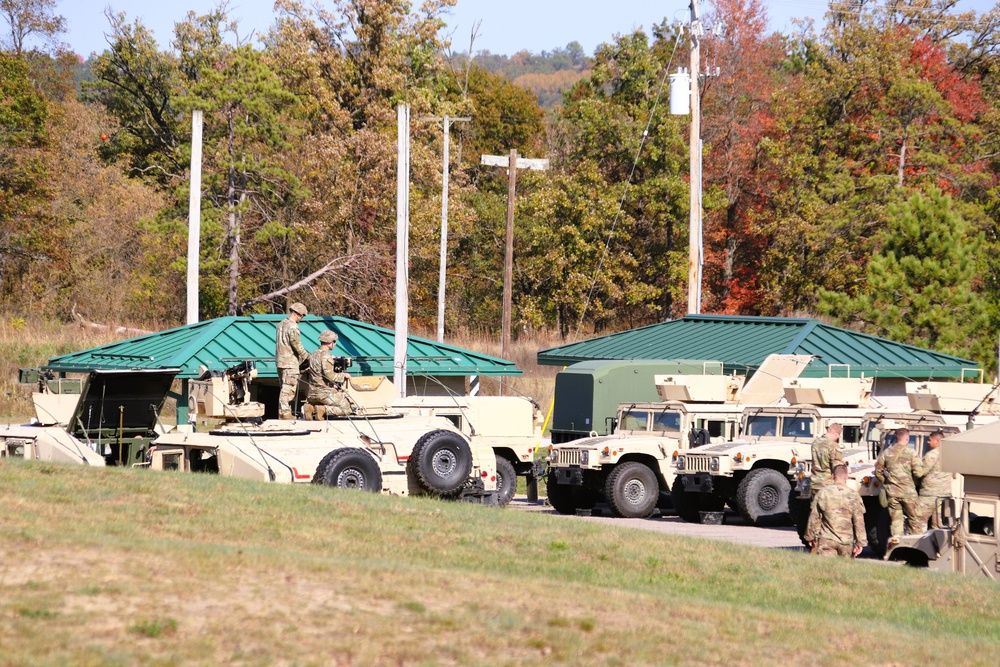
569,457
695,463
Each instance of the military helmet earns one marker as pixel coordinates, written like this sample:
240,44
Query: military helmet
328,337
299,307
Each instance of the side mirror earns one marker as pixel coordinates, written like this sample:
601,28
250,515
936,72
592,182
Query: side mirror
947,512
611,423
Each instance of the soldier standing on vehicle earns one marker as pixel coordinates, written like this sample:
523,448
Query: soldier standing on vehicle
289,355
837,520
826,455
326,382
895,469
934,483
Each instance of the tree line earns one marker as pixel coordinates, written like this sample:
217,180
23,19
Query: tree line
850,171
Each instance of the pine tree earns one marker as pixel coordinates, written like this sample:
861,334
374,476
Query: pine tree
922,280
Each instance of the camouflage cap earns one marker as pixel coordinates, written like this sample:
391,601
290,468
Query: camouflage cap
328,337
298,307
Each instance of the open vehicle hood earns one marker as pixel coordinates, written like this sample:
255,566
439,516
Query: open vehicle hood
129,399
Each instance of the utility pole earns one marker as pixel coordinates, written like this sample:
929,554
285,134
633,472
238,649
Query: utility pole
402,245
444,217
512,162
194,219
694,238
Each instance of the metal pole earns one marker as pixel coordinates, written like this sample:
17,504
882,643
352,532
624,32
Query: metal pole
694,239
508,264
402,244
194,219
444,233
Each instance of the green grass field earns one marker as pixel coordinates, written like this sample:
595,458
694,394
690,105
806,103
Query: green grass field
129,567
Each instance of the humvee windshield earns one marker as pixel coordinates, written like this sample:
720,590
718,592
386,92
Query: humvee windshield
762,426
668,421
797,427
634,421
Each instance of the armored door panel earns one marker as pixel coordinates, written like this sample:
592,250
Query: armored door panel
979,554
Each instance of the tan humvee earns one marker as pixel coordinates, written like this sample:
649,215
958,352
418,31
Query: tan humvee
967,543
378,449
632,469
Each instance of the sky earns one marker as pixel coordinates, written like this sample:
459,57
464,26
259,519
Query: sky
507,26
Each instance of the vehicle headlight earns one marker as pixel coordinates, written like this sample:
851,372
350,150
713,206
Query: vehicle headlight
680,463
554,456
714,464
584,457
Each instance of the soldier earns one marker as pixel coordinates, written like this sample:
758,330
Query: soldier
289,355
826,455
837,519
933,482
326,383
895,469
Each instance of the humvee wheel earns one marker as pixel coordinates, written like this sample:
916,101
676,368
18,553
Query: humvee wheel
685,504
632,490
506,481
762,498
353,468
441,461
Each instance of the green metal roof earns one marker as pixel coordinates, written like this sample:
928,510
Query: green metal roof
220,343
743,342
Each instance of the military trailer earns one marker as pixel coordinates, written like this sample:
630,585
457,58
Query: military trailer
587,394
632,469
510,425
967,542
752,475
107,418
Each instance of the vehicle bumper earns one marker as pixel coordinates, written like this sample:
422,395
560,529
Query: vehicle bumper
697,483
572,476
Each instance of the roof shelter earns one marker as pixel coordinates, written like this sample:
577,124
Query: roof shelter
220,343
743,342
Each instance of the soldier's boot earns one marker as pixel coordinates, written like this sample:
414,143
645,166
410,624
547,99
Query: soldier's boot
320,412
285,414
308,411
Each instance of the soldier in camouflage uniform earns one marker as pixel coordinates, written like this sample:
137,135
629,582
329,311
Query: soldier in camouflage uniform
837,519
826,455
934,483
326,385
289,355
895,468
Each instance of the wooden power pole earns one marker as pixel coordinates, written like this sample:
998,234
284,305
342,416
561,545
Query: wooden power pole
513,162
694,239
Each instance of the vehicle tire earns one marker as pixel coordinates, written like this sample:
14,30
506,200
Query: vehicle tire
441,461
685,504
799,509
353,468
762,498
562,497
320,474
632,490
506,481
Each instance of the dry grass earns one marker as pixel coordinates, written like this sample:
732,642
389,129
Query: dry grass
117,567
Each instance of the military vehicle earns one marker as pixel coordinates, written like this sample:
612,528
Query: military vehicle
752,474
107,418
632,469
510,425
587,394
377,449
937,406
967,542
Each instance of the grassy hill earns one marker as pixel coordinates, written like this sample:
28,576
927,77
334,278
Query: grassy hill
121,567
